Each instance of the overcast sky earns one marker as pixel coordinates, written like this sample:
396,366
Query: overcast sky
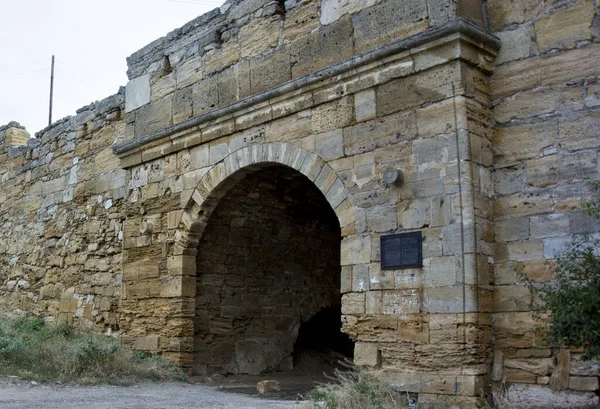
90,40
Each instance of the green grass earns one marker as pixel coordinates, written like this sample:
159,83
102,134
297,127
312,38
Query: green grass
35,351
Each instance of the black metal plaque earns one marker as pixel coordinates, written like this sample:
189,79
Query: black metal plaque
403,250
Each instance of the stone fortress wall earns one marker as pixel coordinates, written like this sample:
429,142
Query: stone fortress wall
124,217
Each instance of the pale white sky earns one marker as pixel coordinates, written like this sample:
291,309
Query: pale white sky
90,40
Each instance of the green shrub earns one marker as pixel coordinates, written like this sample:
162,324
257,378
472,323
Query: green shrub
573,297
35,351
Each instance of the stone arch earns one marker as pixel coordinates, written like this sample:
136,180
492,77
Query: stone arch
234,167
223,178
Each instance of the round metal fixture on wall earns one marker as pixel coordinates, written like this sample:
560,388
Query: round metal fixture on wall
393,176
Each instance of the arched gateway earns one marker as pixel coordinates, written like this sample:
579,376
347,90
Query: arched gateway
261,234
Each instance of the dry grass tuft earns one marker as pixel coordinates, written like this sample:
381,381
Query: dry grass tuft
33,350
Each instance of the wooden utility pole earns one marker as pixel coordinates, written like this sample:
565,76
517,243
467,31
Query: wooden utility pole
51,91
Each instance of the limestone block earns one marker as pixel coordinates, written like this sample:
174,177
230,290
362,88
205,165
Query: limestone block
542,396
374,303
182,105
503,13
163,86
16,137
512,229
333,115
519,376
553,169
182,265
346,279
381,279
442,328
538,270
380,132
364,105
413,328
538,102
559,67
516,44
355,250
137,93
329,145
268,72
360,278
220,58
388,21
564,28
430,86
401,302
259,36
583,383
268,386
579,131
520,142
515,330
382,218
319,49
549,226
353,303
189,72
522,205
367,354
217,153
442,272
254,356
154,117
377,328
512,298
205,95
332,10
437,119
525,250
560,376
300,21
510,78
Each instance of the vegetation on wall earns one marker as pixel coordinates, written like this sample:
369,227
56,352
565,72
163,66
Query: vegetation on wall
573,297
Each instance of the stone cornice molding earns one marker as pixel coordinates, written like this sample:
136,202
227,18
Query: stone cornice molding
461,37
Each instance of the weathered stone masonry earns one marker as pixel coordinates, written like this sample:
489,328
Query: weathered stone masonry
193,212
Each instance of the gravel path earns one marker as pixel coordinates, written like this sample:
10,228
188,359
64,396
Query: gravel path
17,394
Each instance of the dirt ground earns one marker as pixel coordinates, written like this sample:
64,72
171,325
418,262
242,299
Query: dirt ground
19,394
216,392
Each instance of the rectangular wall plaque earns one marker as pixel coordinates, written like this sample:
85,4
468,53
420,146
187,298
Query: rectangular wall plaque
404,250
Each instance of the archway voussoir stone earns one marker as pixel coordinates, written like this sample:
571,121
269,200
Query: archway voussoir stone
244,156
336,194
298,158
231,164
312,167
326,179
